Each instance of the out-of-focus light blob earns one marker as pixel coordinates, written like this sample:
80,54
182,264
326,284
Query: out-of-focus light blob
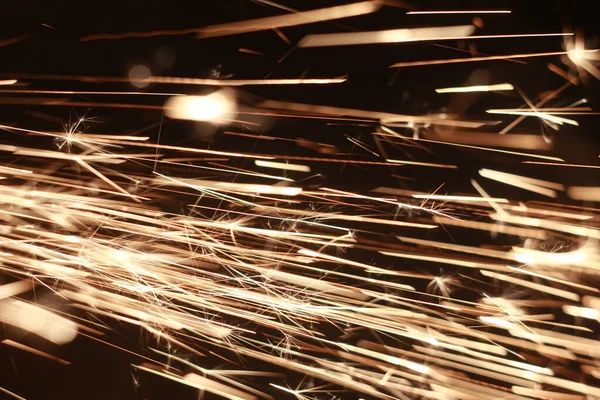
138,75
35,319
215,107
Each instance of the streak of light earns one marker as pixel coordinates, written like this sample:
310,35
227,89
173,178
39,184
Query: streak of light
499,228
250,51
87,92
231,187
182,81
384,117
34,319
388,36
551,110
561,281
539,393
255,25
422,164
469,89
534,286
200,383
530,256
549,224
516,153
7,82
104,178
547,212
406,36
518,141
13,40
14,395
447,260
561,164
223,374
344,217
560,72
542,102
293,19
477,59
427,12
105,158
37,352
459,248
15,288
459,198
284,166
485,195
523,182
584,193
584,312
542,115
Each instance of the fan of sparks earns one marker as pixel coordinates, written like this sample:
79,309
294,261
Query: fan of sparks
242,258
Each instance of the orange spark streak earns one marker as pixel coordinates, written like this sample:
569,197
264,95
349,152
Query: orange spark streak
476,59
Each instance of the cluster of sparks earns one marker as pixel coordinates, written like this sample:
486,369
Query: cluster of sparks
259,268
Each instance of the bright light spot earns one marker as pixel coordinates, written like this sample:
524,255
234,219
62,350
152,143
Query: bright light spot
138,75
8,82
576,54
215,107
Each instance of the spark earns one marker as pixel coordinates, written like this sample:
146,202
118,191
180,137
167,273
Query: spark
37,352
284,166
389,36
478,59
424,12
234,28
484,88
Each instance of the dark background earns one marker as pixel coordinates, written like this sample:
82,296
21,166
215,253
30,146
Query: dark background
101,372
